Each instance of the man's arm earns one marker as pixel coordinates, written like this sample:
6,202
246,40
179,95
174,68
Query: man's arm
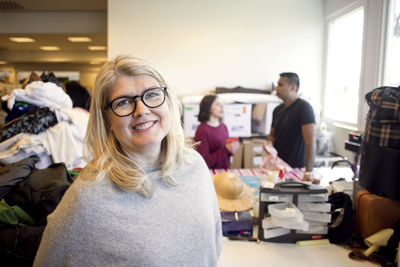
271,136
308,131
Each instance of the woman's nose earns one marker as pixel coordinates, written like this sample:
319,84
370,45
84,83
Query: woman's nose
140,109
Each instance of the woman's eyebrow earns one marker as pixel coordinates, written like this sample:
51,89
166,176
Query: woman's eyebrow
141,92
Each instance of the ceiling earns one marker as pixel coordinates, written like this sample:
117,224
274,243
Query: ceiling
29,53
59,40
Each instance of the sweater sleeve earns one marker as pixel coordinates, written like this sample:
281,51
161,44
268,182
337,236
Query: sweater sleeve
215,210
211,158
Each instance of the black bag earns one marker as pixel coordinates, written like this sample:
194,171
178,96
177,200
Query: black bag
341,226
380,170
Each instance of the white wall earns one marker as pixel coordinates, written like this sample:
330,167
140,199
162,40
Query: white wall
333,6
199,45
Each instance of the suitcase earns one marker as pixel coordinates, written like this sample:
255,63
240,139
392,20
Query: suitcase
374,213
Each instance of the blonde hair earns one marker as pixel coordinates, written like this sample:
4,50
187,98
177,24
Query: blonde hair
103,152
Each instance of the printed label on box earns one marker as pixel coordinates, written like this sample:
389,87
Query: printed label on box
237,118
190,121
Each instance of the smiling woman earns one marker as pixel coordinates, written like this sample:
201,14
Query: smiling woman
139,125
131,193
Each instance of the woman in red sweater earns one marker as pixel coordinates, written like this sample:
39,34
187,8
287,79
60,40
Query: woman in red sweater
213,135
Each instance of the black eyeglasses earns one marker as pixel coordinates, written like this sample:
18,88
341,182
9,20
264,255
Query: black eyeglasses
126,105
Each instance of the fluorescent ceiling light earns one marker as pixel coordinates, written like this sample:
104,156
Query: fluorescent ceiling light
3,62
97,48
79,39
22,39
49,48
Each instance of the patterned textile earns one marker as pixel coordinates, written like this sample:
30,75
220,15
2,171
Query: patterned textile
34,122
383,119
18,110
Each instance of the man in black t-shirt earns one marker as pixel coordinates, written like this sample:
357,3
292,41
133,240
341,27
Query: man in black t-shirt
293,126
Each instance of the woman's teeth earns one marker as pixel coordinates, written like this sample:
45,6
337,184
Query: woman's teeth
144,126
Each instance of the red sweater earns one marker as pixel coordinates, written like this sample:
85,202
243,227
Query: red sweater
212,146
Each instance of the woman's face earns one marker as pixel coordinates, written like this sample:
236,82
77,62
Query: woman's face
145,128
216,109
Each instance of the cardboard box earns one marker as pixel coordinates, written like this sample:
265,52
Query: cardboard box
237,159
237,118
190,121
253,153
261,117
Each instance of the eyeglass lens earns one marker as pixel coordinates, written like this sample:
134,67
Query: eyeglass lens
125,106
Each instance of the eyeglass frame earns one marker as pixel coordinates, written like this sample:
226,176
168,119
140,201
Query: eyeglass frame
163,89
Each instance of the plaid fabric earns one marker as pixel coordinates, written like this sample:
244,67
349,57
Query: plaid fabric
383,119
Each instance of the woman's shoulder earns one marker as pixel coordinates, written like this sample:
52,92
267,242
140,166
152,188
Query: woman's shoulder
85,190
192,168
70,203
202,126
194,159
223,125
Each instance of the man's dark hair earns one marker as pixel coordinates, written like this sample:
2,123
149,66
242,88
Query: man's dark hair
205,107
291,78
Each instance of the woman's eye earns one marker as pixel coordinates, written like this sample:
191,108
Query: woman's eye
151,95
123,102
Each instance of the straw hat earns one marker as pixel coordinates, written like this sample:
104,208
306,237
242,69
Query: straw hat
232,193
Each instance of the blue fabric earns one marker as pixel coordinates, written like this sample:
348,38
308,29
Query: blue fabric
18,109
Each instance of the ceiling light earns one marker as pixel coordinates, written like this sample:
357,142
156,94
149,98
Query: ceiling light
22,39
49,48
3,62
97,48
79,39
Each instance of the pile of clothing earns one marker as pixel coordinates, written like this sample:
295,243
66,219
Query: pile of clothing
41,121
41,149
27,196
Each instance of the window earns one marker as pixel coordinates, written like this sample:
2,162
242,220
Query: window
343,69
392,62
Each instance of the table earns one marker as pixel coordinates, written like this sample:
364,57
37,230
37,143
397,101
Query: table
247,253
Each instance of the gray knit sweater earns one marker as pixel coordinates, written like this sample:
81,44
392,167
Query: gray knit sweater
97,224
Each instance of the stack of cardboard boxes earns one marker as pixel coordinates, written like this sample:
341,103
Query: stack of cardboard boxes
250,154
